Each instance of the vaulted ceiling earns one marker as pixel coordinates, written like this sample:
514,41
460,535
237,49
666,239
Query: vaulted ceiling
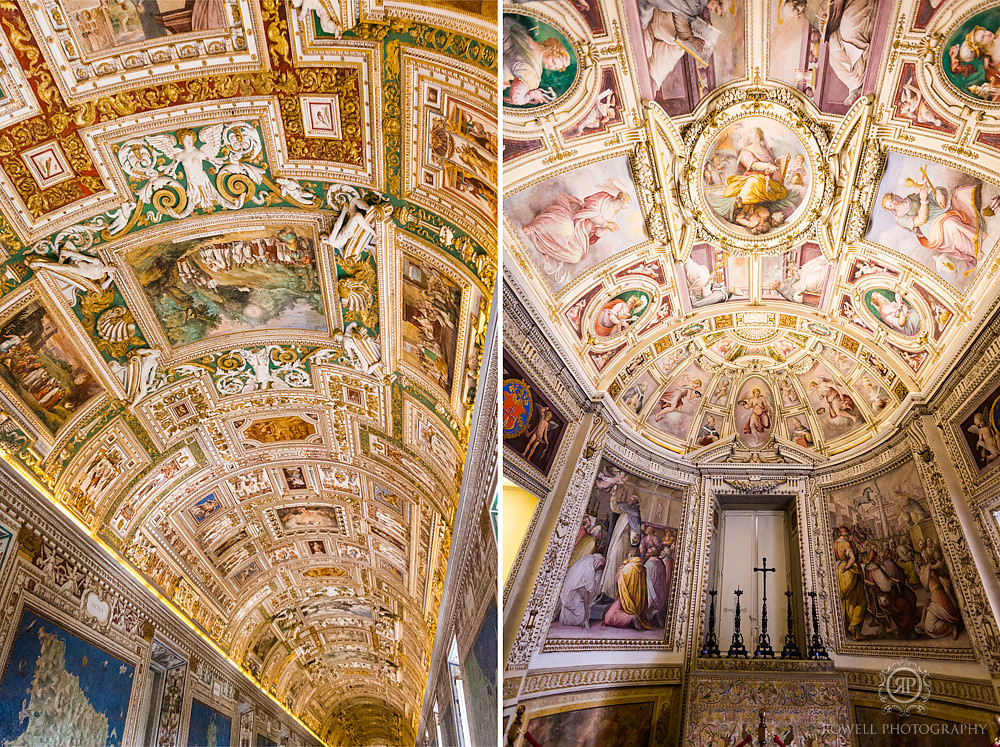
248,254
762,221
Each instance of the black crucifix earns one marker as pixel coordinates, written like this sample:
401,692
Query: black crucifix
764,649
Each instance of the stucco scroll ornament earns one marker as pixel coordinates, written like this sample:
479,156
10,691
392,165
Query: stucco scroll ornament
270,367
74,272
173,172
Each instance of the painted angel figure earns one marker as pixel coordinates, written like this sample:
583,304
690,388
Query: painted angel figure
986,443
182,152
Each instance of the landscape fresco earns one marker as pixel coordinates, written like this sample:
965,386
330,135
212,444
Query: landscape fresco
40,364
431,309
59,689
573,221
677,72
894,584
533,427
958,230
620,573
627,725
110,24
232,282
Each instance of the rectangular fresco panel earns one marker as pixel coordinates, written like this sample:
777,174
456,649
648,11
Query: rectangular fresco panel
308,517
711,276
576,220
626,725
675,409
894,584
208,727
481,672
59,689
533,427
431,308
683,51
40,364
832,402
232,282
980,430
936,215
620,573
828,50
109,24
801,275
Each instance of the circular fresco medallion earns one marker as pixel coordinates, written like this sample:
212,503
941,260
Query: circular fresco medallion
756,182
516,407
893,311
756,175
539,63
971,56
620,313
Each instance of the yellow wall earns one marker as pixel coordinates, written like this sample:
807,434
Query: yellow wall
518,508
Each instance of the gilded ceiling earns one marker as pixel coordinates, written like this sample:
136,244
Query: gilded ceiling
773,223
248,254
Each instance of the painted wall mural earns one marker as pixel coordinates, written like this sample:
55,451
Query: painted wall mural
533,427
756,175
539,62
936,215
683,51
41,366
431,311
970,56
620,573
575,220
623,725
480,667
232,282
59,689
208,727
894,583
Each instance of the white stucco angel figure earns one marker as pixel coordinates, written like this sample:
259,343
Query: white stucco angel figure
329,24
293,191
263,377
74,272
139,374
352,230
363,349
182,152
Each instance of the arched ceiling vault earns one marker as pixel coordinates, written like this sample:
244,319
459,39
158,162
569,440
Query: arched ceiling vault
769,222
248,254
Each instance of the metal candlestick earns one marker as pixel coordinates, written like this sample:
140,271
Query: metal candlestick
736,648
816,648
711,645
764,649
791,649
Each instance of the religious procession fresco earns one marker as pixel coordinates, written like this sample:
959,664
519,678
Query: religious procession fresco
756,175
58,688
621,570
113,24
42,367
685,49
432,304
207,726
710,276
619,725
893,581
980,431
970,56
539,65
232,282
938,216
533,426
829,51
801,275
575,220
